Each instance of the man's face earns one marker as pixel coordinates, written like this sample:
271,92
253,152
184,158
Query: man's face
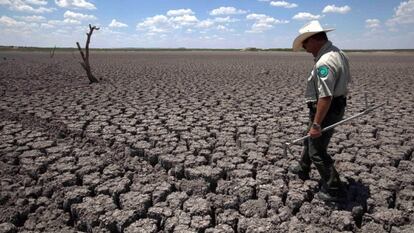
308,45
312,45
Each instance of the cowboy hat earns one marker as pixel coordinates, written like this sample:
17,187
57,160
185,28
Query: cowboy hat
310,29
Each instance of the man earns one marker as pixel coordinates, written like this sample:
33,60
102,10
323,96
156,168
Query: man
326,99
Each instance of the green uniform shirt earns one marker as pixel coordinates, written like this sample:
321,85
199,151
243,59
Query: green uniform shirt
330,74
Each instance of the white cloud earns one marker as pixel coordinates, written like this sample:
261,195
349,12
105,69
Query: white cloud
116,24
174,19
374,28
283,4
224,28
17,28
155,24
184,20
205,23
227,19
213,37
208,23
75,4
227,11
334,9
70,15
10,22
46,26
306,16
263,22
33,18
37,2
403,14
65,22
221,28
19,5
260,17
29,9
372,23
180,12
71,21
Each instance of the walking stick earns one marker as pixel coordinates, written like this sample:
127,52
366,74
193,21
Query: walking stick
367,110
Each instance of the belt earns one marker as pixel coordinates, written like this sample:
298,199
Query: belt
339,100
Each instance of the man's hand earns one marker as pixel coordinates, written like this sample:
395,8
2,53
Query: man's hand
315,133
321,110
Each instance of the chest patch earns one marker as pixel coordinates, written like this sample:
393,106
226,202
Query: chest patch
323,71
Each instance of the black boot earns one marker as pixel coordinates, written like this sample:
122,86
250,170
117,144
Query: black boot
302,173
337,194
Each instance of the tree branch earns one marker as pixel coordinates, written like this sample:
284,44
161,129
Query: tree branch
85,56
81,52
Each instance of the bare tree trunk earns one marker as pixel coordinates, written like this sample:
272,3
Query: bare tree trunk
52,53
85,64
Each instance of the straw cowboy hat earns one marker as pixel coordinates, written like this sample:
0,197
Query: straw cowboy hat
310,29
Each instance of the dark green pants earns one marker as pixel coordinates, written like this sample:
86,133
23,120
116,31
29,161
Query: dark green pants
315,149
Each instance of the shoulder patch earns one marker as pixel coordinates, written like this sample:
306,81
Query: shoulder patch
323,71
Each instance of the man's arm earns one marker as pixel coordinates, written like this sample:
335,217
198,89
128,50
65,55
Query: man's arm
321,110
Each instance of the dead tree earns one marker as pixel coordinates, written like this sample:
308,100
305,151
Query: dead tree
85,64
52,52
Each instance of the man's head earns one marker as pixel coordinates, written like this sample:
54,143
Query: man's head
314,43
310,37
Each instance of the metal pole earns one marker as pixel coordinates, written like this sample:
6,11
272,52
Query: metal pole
287,145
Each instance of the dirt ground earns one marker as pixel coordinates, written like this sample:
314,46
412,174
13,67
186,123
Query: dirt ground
193,142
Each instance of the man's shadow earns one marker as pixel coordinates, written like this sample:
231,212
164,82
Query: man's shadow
355,201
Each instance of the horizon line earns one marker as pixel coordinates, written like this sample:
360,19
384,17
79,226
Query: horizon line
15,47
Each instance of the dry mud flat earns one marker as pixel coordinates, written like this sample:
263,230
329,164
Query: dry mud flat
193,142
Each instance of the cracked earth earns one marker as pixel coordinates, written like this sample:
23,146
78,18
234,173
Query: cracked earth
193,142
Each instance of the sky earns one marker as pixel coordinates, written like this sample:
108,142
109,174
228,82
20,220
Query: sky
359,24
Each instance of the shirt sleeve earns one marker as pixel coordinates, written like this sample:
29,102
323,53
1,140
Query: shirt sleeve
325,80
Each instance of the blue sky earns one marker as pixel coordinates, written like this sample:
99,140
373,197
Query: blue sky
360,24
